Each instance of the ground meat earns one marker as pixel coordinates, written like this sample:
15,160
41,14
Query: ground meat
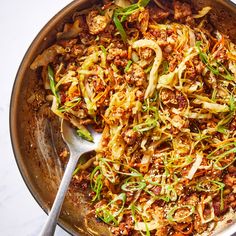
143,20
116,52
198,226
162,231
199,67
168,48
96,23
230,180
117,56
221,55
130,137
181,10
133,17
232,126
179,122
146,53
158,14
174,59
182,102
192,200
156,190
217,205
168,97
232,169
136,75
140,95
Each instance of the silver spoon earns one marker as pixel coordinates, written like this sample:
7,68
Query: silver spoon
77,147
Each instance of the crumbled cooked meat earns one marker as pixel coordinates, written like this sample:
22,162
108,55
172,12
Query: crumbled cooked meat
156,190
135,75
130,136
229,180
198,226
217,206
143,20
232,169
168,97
116,52
140,95
133,17
146,53
232,126
168,48
158,14
117,56
192,200
178,121
96,22
163,231
181,10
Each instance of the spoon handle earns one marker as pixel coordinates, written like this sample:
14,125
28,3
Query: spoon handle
50,225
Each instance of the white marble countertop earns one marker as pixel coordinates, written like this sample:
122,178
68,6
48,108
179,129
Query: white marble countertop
20,22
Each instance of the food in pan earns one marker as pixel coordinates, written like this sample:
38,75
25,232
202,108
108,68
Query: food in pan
158,80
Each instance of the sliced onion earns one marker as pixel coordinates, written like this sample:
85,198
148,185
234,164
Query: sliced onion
202,12
157,61
195,166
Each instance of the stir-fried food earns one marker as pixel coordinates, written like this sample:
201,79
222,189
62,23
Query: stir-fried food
159,82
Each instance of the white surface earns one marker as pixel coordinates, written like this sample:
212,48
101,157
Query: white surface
20,21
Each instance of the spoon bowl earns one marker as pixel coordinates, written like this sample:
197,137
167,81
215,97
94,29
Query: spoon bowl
77,147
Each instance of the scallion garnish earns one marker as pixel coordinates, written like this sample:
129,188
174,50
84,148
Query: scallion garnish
52,84
171,214
113,209
133,186
128,66
120,15
214,69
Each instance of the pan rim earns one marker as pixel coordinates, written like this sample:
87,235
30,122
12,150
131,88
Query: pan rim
230,230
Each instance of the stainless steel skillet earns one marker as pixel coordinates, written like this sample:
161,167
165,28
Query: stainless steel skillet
35,134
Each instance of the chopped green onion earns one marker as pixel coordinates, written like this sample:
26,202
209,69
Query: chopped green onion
97,186
232,106
52,84
212,155
107,170
105,212
128,65
221,129
124,13
222,199
69,105
104,51
204,58
165,67
133,186
85,134
209,186
133,172
119,27
149,124
216,163
221,126
171,213
187,160
147,70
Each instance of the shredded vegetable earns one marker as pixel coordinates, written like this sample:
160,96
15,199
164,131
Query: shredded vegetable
158,81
